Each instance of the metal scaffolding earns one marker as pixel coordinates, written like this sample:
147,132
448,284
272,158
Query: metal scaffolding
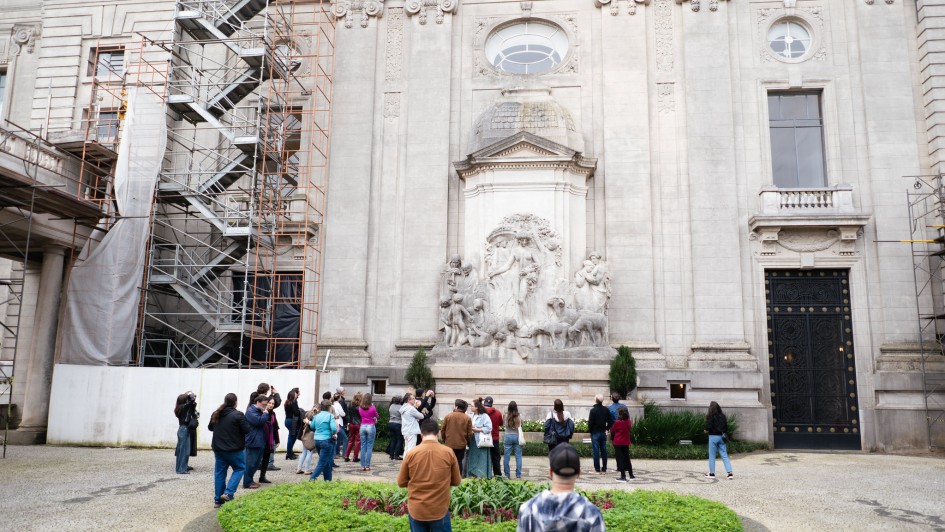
235,246
927,223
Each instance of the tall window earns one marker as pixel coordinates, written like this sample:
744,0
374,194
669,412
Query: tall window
104,62
797,139
107,126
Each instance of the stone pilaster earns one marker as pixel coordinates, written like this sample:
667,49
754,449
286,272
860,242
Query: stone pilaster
43,344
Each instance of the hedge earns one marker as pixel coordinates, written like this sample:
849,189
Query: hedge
337,505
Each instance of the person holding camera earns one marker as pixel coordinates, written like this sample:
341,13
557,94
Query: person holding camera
187,417
257,415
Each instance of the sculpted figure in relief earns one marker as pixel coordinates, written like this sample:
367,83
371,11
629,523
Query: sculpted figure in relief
523,258
524,262
592,285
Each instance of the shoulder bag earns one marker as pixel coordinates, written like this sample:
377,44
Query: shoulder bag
308,439
484,439
551,437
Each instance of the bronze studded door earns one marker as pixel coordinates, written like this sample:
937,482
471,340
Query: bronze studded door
810,355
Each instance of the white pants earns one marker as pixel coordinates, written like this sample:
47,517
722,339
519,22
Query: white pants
410,441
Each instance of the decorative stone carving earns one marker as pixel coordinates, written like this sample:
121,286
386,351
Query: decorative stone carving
591,288
419,7
615,5
666,97
697,4
526,9
664,36
361,9
391,105
523,302
394,48
24,36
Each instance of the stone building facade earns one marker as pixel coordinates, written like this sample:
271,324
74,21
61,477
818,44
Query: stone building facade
713,183
733,155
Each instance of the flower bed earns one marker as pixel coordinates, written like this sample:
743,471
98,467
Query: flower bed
476,505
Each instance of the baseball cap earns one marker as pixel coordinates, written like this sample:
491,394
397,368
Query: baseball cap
564,460
487,401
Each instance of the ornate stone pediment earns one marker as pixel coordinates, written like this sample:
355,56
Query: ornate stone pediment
524,147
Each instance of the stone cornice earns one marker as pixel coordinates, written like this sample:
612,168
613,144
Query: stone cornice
696,5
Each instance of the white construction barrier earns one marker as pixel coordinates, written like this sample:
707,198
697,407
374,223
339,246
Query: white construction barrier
134,407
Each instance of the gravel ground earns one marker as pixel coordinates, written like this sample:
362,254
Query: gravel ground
74,488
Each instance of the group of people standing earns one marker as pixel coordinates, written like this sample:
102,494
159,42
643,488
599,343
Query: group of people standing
335,428
476,427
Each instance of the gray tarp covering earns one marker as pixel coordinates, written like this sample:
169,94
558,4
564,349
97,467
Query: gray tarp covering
101,299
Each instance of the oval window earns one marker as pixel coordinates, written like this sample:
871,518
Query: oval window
789,39
527,47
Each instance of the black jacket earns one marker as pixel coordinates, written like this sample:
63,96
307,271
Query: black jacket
599,419
292,411
716,425
230,431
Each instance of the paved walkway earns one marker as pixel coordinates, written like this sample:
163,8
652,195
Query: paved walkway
73,488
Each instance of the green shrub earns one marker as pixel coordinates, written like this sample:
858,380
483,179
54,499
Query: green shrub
623,372
419,374
580,425
667,427
648,452
331,506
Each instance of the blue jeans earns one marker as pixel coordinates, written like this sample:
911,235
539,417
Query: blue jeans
440,525
290,443
599,449
716,445
183,449
341,443
325,450
367,434
511,442
254,457
305,460
223,461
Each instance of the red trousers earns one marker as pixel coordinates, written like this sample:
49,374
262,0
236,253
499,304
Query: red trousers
354,440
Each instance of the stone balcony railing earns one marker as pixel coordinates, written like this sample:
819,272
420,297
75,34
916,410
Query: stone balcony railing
837,199
30,159
807,220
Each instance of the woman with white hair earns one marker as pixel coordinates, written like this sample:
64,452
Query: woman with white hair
598,423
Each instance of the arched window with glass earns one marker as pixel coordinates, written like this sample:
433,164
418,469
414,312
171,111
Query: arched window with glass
527,47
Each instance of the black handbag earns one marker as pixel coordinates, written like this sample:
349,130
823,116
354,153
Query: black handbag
725,437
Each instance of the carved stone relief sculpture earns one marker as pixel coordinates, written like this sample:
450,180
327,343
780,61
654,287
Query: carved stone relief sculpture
523,301
419,7
361,9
